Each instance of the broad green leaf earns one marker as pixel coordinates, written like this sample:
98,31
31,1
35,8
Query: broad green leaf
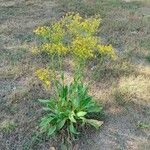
83,121
73,129
45,121
61,124
94,123
81,114
51,130
71,117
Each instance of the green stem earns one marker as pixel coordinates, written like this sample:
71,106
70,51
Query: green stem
79,65
61,68
54,76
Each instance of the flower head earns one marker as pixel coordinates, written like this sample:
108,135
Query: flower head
79,26
107,50
35,50
42,31
83,47
53,48
44,76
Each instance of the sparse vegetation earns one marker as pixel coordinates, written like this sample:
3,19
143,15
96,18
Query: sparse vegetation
122,86
142,125
7,126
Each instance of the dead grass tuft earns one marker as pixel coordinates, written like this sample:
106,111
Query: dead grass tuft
136,87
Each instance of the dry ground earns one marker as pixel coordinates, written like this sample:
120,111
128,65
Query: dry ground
123,87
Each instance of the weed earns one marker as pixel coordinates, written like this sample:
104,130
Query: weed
72,107
7,126
142,125
74,36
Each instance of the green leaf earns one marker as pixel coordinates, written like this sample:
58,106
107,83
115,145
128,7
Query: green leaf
44,101
75,103
61,124
71,117
46,109
94,123
86,101
50,103
62,76
65,91
94,108
83,121
81,114
51,130
45,121
73,129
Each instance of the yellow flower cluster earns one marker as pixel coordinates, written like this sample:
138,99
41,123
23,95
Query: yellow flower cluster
79,26
73,23
42,31
73,34
44,76
35,50
90,25
83,47
55,48
107,50
57,32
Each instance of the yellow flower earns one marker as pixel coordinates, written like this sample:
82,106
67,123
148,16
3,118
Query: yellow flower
55,48
47,83
42,31
73,34
57,32
90,25
79,26
44,76
107,50
35,50
83,47
60,49
47,47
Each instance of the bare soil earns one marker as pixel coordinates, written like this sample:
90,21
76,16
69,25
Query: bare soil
125,25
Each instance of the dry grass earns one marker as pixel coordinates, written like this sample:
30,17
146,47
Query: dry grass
136,87
125,25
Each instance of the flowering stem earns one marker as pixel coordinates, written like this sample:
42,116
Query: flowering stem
54,76
61,68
